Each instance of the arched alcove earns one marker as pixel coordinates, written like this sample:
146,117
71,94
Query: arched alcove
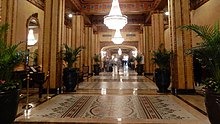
32,27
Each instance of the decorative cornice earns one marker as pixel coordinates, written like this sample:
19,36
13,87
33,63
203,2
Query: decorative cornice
194,4
76,5
38,3
125,7
156,3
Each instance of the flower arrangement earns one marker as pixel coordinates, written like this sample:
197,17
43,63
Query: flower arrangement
10,57
208,52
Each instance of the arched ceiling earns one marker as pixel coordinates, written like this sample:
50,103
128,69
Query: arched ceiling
113,49
119,46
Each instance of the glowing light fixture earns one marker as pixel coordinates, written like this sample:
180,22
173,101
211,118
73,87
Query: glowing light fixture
134,53
31,39
117,39
119,51
167,13
70,15
115,19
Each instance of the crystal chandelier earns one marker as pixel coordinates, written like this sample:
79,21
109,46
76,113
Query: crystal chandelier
117,39
115,19
119,51
31,39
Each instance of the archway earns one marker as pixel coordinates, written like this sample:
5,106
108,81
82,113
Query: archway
32,40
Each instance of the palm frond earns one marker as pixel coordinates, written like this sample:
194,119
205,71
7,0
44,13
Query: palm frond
208,51
70,55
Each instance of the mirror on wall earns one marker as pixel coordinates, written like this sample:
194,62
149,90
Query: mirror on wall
32,40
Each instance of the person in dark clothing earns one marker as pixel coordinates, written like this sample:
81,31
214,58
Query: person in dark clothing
197,69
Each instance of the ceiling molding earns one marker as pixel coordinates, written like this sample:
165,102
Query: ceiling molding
38,3
110,1
194,4
76,5
155,4
126,8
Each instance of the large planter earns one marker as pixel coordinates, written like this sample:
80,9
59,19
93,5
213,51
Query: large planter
96,69
212,103
70,79
140,69
162,79
8,106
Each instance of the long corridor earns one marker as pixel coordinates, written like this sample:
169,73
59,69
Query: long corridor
115,97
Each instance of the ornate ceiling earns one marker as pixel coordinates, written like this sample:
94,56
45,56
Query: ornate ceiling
138,11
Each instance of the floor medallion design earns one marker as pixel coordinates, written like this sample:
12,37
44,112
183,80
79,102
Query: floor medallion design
110,106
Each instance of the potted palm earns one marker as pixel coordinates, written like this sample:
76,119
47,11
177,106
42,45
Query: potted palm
208,52
69,73
161,58
96,66
140,66
10,57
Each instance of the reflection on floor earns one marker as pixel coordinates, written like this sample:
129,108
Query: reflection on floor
116,97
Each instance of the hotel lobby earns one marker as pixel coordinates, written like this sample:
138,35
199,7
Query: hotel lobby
112,74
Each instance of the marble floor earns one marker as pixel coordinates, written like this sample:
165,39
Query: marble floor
116,97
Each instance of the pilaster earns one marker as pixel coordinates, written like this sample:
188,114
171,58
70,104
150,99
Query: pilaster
147,38
140,44
68,33
52,42
8,15
77,34
182,70
157,28
89,47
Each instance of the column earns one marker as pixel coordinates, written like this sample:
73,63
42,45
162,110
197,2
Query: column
93,48
98,50
8,15
157,28
182,70
88,44
147,35
68,33
141,45
52,42
77,35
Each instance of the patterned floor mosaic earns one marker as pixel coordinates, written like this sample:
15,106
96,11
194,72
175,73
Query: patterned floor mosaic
116,97
111,107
